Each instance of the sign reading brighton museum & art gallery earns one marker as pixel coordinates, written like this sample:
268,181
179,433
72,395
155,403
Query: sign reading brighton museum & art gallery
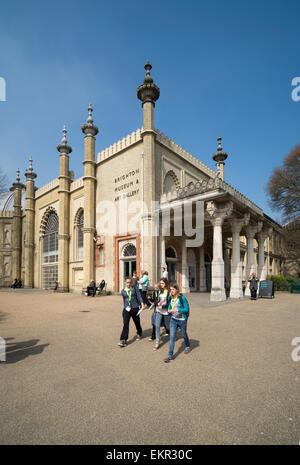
127,185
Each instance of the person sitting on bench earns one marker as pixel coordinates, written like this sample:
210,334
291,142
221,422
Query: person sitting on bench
101,286
91,289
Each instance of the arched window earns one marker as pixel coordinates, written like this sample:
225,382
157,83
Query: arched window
50,250
171,182
50,241
80,222
129,251
170,253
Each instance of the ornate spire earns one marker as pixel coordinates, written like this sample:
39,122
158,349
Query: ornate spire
219,157
89,129
17,184
63,147
148,91
29,173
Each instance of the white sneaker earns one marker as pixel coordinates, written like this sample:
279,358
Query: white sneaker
156,347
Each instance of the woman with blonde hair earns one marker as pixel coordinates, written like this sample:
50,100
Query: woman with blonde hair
253,280
178,309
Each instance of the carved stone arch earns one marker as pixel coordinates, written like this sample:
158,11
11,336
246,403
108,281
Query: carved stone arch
78,226
78,217
170,176
45,218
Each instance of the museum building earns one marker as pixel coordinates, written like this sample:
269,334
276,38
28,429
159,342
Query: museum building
58,232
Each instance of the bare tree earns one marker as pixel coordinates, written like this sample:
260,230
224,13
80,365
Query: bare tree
284,192
3,181
284,186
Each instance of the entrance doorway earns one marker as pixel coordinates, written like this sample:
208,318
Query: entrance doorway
191,259
129,266
171,260
127,262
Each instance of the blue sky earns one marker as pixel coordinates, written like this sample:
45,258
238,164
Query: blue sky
222,67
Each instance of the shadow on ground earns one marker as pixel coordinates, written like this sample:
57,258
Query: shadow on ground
2,316
17,351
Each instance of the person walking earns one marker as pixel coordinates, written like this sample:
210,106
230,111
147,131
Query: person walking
253,280
143,287
179,310
165,273
134,279
132,301
154,300
161,311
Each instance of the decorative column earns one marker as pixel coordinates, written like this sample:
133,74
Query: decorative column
185,288
17,226
64,212
236,288
30,214
251,230
89,182
216,215
163,251
202,270
148,93
261,237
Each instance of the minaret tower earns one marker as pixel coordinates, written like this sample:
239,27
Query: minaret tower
30,215
219,157
17,226
89,182
64,214
148,93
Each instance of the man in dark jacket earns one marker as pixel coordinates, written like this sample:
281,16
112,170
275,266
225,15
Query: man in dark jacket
91,289
132,301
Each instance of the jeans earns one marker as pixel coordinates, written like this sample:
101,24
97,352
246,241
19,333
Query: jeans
126,319
174,324
158,319
145,298
253,293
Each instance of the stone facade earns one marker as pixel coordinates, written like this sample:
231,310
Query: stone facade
95,227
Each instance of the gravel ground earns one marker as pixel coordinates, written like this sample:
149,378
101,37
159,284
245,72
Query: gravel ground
65,380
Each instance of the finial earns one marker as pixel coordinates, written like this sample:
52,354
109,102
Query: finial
64,139
220,148
17,184
148,91
29,173
89,129
30,165
219,158
63,147
90,110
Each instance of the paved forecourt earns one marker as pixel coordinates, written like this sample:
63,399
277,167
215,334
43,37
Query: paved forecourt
66,381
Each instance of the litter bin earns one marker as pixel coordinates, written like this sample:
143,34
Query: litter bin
295,287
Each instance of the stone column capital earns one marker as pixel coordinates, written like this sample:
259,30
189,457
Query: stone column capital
217,212
238,223
253,229
264,233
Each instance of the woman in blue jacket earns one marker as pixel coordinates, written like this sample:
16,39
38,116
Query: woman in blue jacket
178,308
